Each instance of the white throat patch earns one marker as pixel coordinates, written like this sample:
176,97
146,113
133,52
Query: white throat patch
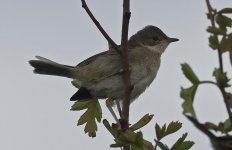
160,48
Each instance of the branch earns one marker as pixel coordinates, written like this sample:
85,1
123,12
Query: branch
212,20
123,51
225,98
126,76
201,127
218,143
114,45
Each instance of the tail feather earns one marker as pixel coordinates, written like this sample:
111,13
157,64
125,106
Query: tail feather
48,67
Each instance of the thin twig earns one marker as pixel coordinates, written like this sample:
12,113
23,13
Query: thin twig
224,94
112,43
210,14
209,82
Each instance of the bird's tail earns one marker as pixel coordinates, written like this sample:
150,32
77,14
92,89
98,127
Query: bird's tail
48,67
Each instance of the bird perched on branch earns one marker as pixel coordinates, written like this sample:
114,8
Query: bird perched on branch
101,76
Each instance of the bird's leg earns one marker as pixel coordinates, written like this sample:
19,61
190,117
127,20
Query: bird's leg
119,108
109,104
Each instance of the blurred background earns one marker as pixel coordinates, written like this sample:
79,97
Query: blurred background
35,110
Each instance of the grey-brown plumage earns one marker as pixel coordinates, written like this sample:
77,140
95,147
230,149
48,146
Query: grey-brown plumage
48,67
100,76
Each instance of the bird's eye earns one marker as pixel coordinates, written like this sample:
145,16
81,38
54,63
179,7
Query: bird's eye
155,38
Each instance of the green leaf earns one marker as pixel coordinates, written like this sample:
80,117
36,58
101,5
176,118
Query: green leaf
98,111
136,140
181,144
160,132
128,137
109,128
229,98
139,143
164,131
221,78
142,122
162,146
189,74
90,116
217,31
226,11
147,145
173,127
91,128
139,139
227,126
188,95
213,42
80,105
223,21
87,116
186,145
107,125
226,43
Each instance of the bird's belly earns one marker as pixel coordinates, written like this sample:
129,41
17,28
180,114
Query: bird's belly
113,87
141,86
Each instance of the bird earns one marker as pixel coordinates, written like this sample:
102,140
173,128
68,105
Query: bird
101,76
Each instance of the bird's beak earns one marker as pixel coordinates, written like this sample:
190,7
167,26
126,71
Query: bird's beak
172,40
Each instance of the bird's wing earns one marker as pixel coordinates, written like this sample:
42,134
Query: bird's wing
94,57
100,66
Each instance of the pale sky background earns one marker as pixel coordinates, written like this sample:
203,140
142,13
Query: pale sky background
35,110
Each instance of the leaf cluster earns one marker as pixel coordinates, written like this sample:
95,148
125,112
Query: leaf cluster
164,131
130,137
221,37
127,138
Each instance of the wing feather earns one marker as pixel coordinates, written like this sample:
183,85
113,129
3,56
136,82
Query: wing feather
100,66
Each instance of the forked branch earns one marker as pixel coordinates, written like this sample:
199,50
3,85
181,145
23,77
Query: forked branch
123,51
112,43
211,17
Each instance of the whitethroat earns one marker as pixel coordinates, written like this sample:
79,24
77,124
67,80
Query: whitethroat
101,76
